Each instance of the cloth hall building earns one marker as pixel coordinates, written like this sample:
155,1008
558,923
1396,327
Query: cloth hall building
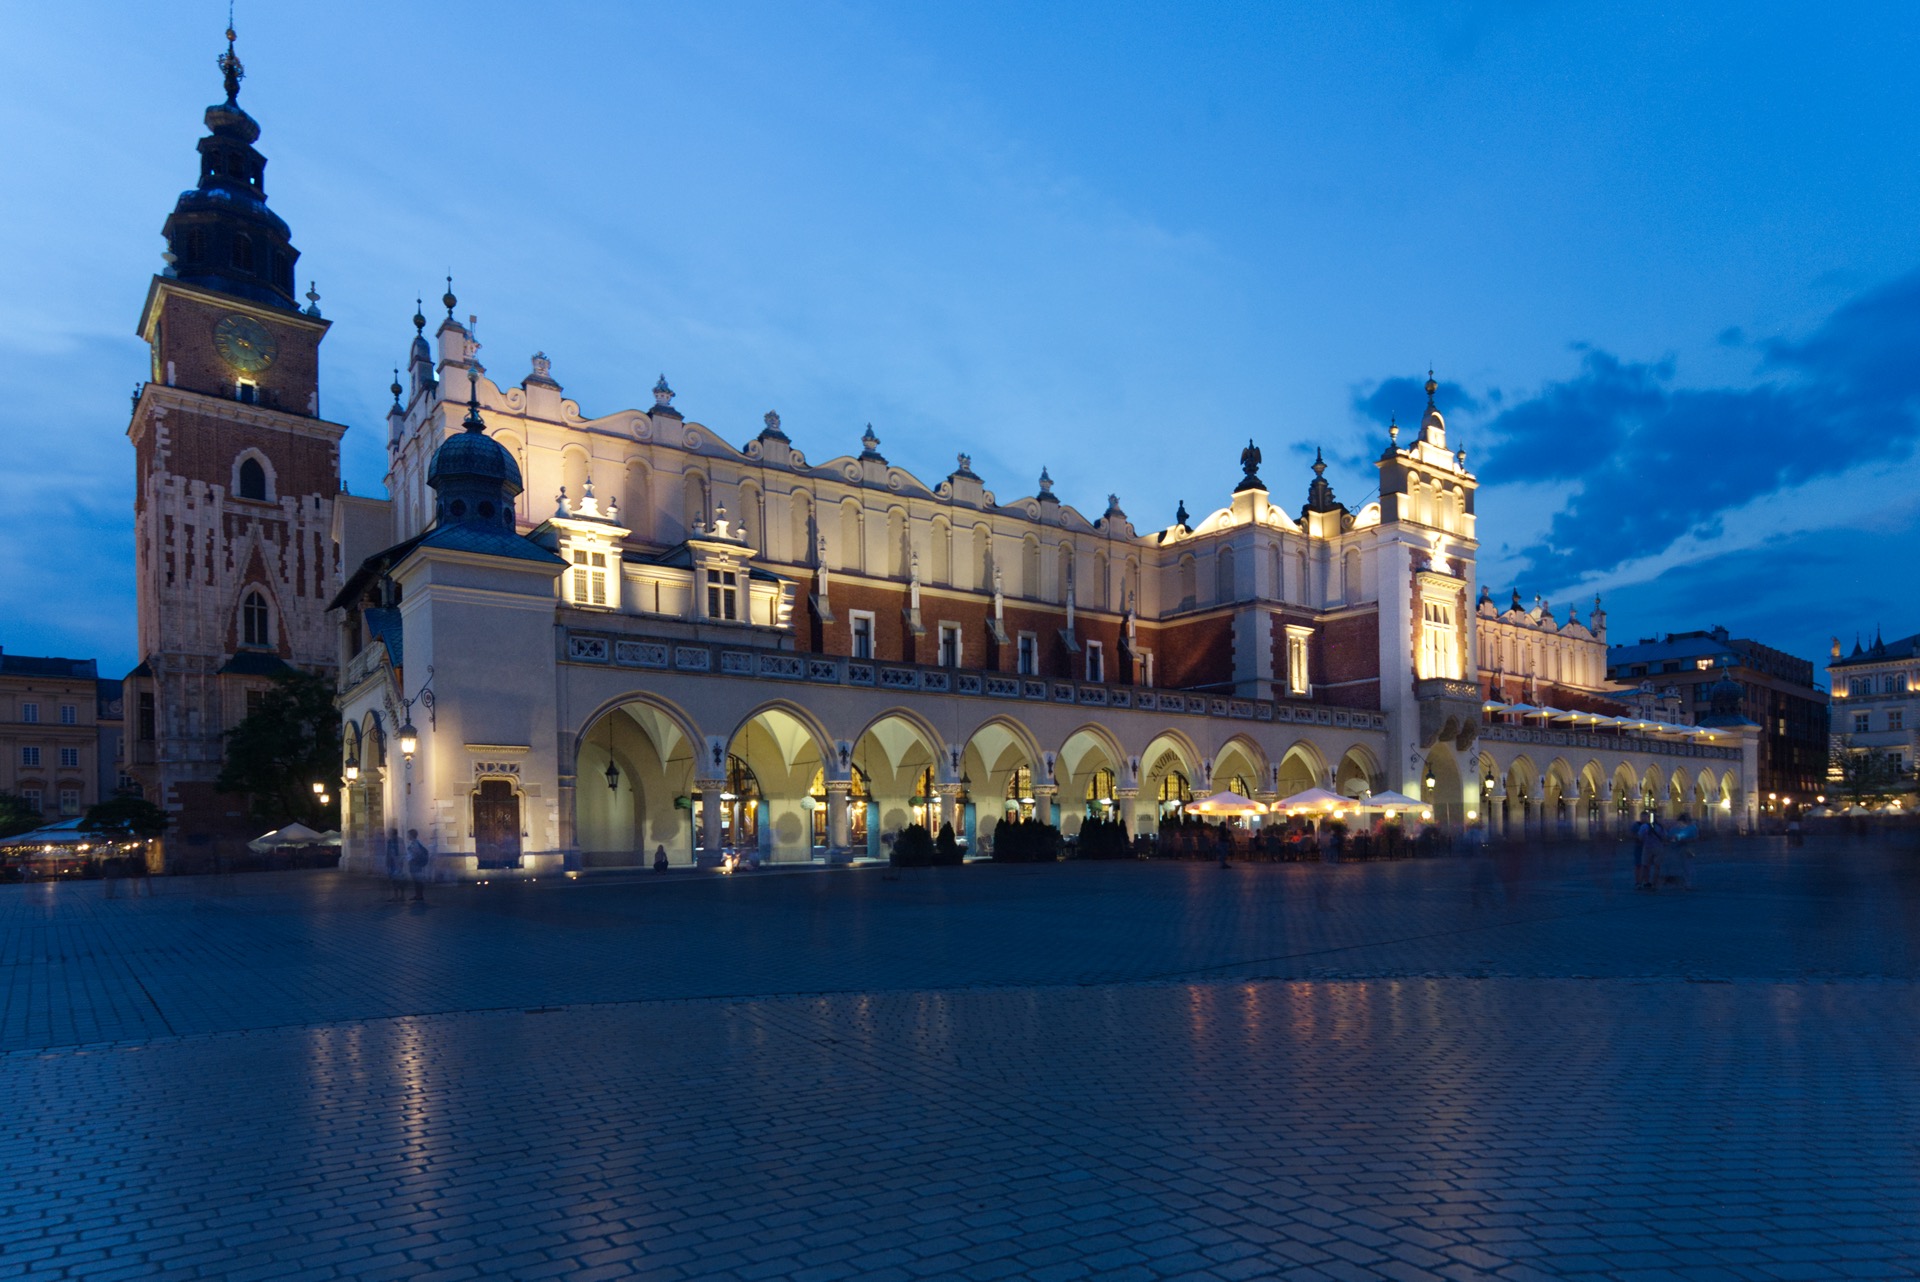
569,639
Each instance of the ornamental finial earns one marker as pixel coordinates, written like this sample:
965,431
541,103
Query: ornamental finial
448,299
1432,387
229,63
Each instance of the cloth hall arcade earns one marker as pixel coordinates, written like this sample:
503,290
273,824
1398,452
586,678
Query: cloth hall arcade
569,639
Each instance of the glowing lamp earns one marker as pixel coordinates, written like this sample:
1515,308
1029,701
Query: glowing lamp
319,789
409,741
353,773
809,803
1430,781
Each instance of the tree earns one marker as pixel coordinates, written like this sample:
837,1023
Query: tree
1867,774
16,816
126,818
289,742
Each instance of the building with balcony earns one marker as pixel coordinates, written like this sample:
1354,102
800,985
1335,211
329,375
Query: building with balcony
1876,699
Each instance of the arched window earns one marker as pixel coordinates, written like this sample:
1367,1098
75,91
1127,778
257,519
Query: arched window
243,253
1030,568
853,537
1066,573
694,512
195,245
1189,584
942,552
801,553
634,502
983,556
253,480
899,553
574,470
1223,576
1102,574
256,625
1350,577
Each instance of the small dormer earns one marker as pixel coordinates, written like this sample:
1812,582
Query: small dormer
589,541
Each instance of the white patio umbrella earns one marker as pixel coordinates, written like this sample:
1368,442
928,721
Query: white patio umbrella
1393,801
1225,802
1316,799
294,834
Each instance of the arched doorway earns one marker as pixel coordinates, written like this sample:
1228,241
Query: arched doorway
1088,766
996,779
1441,788
897,755
773,768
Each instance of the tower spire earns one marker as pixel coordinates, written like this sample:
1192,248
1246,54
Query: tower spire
231,70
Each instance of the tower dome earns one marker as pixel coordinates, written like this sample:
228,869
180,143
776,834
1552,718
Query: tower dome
474,479
221,235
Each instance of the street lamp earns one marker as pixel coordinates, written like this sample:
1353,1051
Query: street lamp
613,776
319,789
409,741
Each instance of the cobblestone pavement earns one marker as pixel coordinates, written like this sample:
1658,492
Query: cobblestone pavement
1453,1068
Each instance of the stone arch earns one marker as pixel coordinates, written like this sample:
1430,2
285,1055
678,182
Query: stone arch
1561,796
1351,587
1590,810
751,519
1625,785
1446,796
654,749
1102,595
1090,769
256,617
1189,582
1653,791
990,762
895,753
1521,807
1064,572
1301,766
784,747
1358,773
1242,758
1170,759
1030,568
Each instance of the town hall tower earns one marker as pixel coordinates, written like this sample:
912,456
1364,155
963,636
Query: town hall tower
236,474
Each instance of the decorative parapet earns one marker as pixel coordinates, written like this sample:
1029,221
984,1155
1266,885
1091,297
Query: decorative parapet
724,661
1607,742
1449,710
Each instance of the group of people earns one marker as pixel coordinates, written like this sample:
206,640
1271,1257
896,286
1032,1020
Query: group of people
1651,839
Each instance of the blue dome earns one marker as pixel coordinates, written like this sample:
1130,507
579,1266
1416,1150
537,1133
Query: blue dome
472,455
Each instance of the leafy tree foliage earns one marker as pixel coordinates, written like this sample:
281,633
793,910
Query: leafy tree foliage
126,818
16,816
290,741
1867,774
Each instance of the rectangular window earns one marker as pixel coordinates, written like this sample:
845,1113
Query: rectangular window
1146,668
589,577
862,621
1860,723
30,713
1896,720
146,717
1299,675
723,595
1895,683
1027,655
29,756
1438,643
32,797
69,801
1861,686
949,645
70,757
1096,662
69,715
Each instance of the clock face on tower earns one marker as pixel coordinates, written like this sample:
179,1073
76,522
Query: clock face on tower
244,343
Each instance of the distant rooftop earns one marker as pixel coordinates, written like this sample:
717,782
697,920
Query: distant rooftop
23,665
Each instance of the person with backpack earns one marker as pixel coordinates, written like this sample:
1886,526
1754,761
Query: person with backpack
419,861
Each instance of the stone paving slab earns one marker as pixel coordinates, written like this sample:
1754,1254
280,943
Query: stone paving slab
1510,1068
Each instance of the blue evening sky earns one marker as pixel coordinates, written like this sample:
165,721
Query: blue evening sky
1664,257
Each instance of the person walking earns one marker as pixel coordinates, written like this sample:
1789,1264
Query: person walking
395,889
1656,842
418,863
1640,854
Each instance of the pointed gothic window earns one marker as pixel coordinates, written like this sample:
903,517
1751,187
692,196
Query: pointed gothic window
255,626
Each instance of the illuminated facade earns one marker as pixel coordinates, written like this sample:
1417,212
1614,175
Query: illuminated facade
236,477
1876,698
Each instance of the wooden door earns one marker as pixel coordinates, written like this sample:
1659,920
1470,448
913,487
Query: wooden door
496,824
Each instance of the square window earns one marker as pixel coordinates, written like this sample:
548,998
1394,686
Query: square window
30,713
29,756
70,757
1860,723
69,715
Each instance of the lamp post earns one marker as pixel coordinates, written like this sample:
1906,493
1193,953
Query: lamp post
409,744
